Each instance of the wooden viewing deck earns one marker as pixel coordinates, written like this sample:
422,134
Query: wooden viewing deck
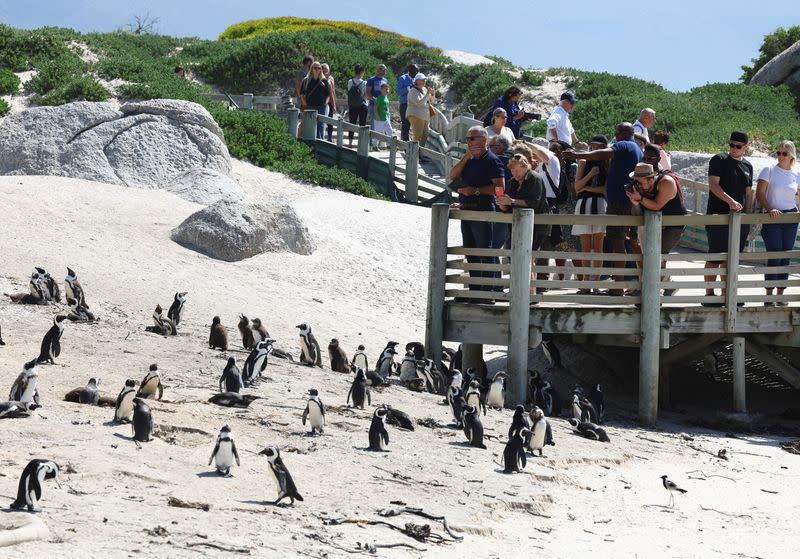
667,329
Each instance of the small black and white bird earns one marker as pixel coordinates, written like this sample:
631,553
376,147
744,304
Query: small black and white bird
29,490
672,488
175,312
225,452
281,476
314,412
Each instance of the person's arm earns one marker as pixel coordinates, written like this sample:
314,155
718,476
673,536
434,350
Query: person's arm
520,114
585,178
458,168
667,190
332,92
578,143
596,155
297,86
369,90
748,200
715,189
415,97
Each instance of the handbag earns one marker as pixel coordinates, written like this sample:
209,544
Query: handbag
431,111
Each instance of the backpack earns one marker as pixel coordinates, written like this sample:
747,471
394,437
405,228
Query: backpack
355,94
669,173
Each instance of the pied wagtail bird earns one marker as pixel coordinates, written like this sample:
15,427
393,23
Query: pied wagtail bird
671,487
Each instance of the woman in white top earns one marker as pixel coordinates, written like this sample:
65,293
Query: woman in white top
420,100
776,191
498,126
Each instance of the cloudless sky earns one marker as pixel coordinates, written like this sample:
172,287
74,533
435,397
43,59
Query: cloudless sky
678,43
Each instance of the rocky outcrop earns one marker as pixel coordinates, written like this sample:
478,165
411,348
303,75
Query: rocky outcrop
783,69
233,231
158,144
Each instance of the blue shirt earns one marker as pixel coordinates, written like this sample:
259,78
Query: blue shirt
374,86
479,173
512,109
404,83
626,155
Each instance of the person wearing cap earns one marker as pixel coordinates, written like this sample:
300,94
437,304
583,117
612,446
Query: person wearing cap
559,127
498,126
590,187
374,84
420,100
730,189
647,118
404,83
509,101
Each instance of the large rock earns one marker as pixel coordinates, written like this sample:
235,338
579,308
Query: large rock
233,231
162,143
783,69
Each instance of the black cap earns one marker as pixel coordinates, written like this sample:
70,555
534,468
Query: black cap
738,136
599,139
568,96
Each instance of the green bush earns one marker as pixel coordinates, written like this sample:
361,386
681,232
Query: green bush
4,108
54,74
774,44
22,50
531,78
80,88
262,140
478,86
9,82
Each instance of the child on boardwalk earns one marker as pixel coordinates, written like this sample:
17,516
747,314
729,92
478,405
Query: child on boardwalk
382,122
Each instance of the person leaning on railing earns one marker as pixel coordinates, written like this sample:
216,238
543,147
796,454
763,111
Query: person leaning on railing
478,176
526,190
776,192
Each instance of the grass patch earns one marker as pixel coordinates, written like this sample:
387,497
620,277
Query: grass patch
4,108
532,79
9,82
479,85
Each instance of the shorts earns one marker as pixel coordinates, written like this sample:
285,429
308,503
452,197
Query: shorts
670,237
718,237
586,205
620,232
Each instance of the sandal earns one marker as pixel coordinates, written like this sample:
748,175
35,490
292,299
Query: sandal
584,291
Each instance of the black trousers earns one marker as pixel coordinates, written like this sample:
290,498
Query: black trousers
405,126
356,115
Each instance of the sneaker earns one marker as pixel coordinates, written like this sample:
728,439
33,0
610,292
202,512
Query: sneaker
584,291
769,304
781,304
670,292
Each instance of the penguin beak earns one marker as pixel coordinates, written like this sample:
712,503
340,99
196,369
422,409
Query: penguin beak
263,451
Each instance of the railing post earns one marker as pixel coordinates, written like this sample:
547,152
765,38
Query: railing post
739,401
363,141
392,155
412,162
448,166
340,132
247,102
293,118
310,125
437,270
519,310
650,330
731,279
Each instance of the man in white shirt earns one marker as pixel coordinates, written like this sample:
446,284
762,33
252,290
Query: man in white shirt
559,127
647,118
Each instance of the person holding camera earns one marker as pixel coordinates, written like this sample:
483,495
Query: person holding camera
420,103
515,116
498,126
559,127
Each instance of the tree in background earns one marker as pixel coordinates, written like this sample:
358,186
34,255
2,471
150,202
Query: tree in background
774,44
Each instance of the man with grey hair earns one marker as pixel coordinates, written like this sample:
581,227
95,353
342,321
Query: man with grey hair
477,177
647,118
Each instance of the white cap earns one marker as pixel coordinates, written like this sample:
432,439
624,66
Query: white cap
419,77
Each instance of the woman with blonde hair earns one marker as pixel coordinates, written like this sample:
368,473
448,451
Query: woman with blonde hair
776,192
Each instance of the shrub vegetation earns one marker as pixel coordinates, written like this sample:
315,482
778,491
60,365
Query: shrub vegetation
9,82
4,108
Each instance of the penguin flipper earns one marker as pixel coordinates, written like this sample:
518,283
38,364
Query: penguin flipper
349,393
214,452
305,414
235,453
369,397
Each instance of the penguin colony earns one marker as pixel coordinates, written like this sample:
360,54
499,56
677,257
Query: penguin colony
468,394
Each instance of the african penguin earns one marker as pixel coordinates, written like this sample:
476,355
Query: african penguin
310,353
360,360
589,430
339,361
175,312
417,349
161,324
496,396
123,411
454,399
541,433
259,330
518,422
514,452
359,390
314,412
151,387
85,395
79,313
246,332
233,399
473,428
473,396
224,452
281,476
73,288
231,379
1,337
52,291
25,387
544,395
256,363
378,436
35,294
29,490
408,367
142,424
385,365
218,337
14,409
51,343
597,401
400,419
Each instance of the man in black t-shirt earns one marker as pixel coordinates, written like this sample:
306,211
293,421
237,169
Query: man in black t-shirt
730,189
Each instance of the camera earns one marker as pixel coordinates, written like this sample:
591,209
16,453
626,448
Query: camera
631,186
530,116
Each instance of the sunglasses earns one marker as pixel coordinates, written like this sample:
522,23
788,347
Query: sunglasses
736,146
782,153
520,157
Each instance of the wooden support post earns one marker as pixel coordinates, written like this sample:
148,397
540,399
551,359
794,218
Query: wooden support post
293,118
392,155
247,102
739,401
471,356
519,309
363,141
437,260
650,331
733,271
412,163
310,125
340,132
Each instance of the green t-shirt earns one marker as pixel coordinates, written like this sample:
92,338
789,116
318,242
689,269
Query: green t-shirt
382,106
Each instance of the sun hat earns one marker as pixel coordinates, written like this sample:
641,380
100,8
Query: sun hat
419,77
642,171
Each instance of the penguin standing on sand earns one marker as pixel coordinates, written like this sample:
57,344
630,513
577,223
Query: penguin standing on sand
408,367
175,312
473,428
25,386
541,433
314,412
259,330
224,452
73,288
496,396
359,390
310,353
151,387
29,491
339,361
514,452
518,422
231,379
281,476
86,395
79,313
385,365
162,324
455,398
123,411
378,435
246,332
360,360
256,363
142,424
51,343
218,337
52,291
473,396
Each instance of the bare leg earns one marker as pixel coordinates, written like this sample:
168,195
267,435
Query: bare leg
709,264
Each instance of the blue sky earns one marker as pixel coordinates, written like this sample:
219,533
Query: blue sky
678,43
